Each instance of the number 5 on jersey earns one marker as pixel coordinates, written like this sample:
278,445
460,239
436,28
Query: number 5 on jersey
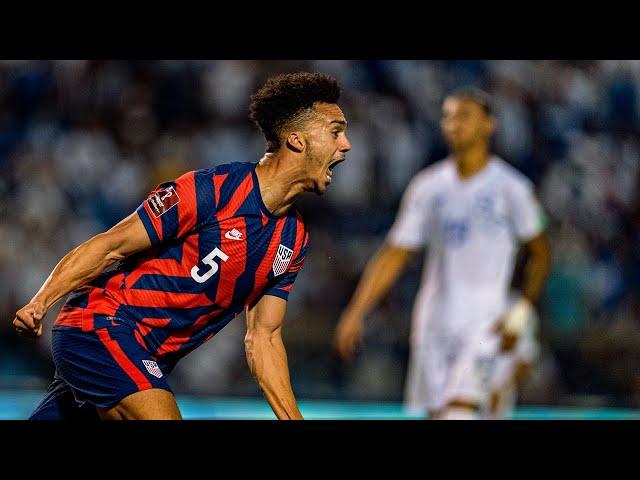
209,260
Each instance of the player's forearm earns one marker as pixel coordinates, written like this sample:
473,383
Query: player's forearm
536,270
379,276
267,360
76,268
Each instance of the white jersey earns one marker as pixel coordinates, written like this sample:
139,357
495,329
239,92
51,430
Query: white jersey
471,228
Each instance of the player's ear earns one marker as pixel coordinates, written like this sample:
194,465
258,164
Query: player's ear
490,125
296,142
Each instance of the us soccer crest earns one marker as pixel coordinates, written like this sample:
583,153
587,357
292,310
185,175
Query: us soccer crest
153,368
281,262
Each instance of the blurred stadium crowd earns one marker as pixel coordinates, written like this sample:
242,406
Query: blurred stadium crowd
82,142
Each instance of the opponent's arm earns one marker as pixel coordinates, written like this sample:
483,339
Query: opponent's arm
537,268
79,266
267,357
535,273
380,275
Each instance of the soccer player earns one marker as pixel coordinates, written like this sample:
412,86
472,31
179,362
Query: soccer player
470,209
196,253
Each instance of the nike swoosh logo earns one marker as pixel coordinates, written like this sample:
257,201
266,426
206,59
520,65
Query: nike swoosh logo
233,235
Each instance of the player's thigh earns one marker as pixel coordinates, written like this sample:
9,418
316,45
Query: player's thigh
60,404
105,366
503,402
503,370
470,378
151,404
426,378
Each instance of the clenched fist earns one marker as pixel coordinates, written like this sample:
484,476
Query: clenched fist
28,320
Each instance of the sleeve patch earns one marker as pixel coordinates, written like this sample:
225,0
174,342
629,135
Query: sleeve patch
162,200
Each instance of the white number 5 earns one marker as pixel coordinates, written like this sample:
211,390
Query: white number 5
208,260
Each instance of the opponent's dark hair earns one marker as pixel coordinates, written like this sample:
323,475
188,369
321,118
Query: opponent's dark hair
287,99
476,95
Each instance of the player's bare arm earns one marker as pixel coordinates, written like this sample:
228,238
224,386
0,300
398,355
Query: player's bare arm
267,356
79,266
537,268
535,275
380,275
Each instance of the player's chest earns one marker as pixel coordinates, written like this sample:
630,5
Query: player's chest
244,244
457,215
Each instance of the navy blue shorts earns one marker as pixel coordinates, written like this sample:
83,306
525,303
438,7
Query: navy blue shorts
97,368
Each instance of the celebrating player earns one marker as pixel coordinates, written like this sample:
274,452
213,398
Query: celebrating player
196,253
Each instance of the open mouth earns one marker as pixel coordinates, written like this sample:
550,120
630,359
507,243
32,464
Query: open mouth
331,167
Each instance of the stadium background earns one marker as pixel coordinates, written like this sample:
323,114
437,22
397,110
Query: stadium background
82,142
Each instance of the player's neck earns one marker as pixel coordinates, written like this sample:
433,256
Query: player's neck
471,161
280,183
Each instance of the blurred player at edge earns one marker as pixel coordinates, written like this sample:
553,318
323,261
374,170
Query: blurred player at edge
196,253
469,210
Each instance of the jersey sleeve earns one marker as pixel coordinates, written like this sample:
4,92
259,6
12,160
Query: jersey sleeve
172,209
409,229
526,215
284,285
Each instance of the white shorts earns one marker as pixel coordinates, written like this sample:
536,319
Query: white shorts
466,367
526,351
451,367
502,382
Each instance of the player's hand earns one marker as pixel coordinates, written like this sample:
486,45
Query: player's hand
28,320
513,323
348,334
508,339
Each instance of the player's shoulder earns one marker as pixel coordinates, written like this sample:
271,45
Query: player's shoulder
227,169
234,168
295,212
434,173
226,176
301,225
510,174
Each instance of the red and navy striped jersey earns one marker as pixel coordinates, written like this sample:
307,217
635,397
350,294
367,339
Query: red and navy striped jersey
215,249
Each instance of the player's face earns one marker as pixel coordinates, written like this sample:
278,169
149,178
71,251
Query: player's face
464,123
327,144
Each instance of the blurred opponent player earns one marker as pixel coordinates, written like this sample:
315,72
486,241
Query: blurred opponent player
196,253
470,209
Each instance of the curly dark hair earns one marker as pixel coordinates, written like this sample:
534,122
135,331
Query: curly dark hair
289,98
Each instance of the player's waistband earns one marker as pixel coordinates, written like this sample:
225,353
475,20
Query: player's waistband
85,319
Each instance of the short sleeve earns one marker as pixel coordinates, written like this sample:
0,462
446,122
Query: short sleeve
284,285
526,215
171,209
409,229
